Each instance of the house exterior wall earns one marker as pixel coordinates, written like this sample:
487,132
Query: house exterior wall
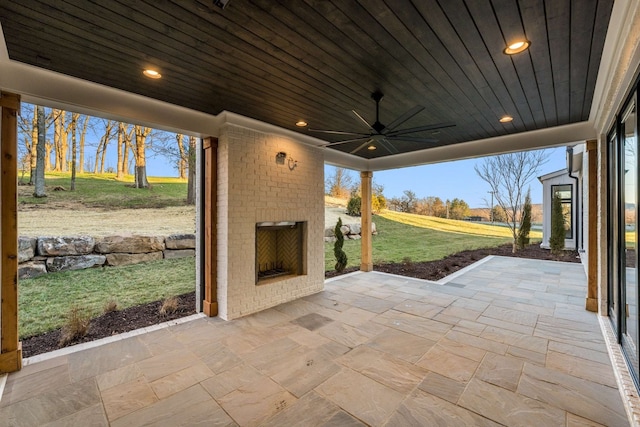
547,185
253,188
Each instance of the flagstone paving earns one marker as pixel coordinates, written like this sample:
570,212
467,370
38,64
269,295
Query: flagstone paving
507,342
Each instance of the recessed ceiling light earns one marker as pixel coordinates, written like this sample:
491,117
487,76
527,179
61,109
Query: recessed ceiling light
506,119
152,74
371,147
301,123
517,47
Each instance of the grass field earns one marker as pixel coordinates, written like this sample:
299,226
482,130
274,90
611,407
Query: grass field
104,191
419,238
45,300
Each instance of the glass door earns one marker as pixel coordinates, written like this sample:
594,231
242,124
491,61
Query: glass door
628,211
613,233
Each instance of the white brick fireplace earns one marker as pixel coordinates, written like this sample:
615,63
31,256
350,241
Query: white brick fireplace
256,188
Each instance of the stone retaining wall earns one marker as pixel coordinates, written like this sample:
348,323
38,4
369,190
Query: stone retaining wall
349,231
42,255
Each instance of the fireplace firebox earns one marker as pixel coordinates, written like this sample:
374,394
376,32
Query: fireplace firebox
280,250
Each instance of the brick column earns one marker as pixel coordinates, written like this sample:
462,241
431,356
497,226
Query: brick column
366,241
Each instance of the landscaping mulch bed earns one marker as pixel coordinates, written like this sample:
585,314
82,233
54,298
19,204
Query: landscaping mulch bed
113,323
117,322
436,270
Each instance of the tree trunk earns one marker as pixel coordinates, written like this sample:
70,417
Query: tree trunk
74,148
83,136
125,158
34,143
140,157
60,141
47,158
56,139
191,177
104,155
39,188
120,161
96,166
182,162
64,144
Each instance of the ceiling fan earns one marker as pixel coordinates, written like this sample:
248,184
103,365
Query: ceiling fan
384,135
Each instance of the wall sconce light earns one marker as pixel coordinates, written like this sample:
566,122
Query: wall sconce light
282,156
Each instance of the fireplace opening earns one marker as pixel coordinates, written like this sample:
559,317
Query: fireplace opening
280,250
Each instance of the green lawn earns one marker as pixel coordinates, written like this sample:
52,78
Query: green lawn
452,225
104,191
45,300
419,238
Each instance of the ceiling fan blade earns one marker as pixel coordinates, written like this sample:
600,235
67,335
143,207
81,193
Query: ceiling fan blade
346,141
360,147
420,129
403,118
363,120
413,139
339,132
387,145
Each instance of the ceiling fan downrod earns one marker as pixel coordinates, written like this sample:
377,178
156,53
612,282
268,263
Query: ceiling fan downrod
377,97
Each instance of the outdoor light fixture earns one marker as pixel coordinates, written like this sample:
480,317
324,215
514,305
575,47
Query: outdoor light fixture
301,123
506,119
517,47
152,74
282,156
371,147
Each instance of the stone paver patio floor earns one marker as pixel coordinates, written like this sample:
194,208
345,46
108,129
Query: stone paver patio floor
507,342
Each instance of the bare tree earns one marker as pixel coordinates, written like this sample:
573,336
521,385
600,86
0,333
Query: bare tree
35,137
125,133
183,159
191,177
28,131
508,175
39,188
84,120
74,148
101,150
141,133
60,139
339,184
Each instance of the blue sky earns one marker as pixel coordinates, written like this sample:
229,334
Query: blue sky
453,179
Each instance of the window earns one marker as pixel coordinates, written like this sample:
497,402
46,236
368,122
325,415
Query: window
566,200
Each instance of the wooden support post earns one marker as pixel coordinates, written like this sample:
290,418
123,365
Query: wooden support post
10,347
210,212
592,244
365,209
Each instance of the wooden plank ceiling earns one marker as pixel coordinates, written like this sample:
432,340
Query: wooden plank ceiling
282,61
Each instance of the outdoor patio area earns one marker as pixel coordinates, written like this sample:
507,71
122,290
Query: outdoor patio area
505,342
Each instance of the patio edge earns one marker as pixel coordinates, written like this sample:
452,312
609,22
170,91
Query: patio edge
626,387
